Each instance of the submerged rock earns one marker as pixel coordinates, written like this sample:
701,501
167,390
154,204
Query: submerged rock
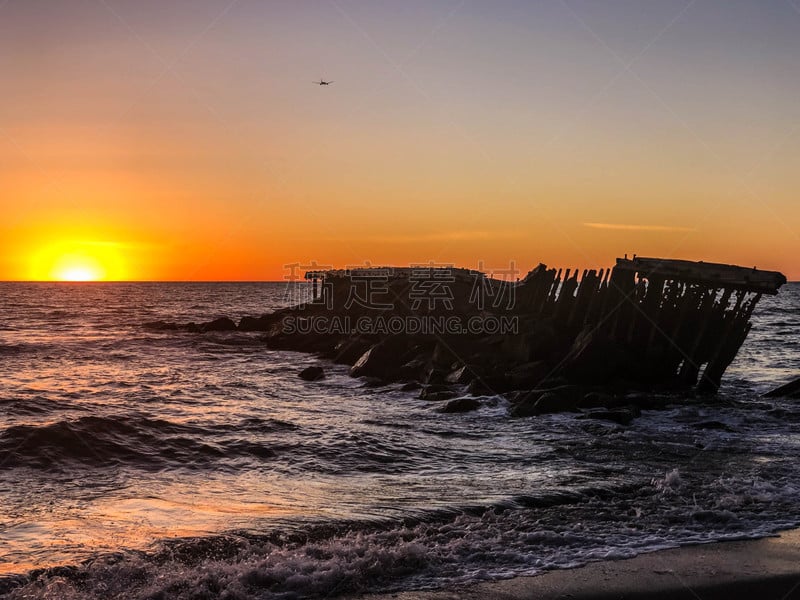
436,392
161,326
221,324
553,402
621,416
411,386
489,385
791,389
525,406
602,400
255,324
540,402
461,405
374,382
312,373
716,425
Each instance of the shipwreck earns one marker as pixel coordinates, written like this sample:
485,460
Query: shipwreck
555,339
646,320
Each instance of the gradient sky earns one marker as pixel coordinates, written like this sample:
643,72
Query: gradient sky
185,139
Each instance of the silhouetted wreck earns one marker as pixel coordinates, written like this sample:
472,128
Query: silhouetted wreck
677,316
645,321
552,341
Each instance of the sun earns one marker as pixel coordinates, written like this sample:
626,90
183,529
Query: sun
78,261
77,267
78,273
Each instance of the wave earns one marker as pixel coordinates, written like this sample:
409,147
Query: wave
132,441
518,536
22,348
36,405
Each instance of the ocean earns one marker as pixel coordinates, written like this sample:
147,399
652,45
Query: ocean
166,464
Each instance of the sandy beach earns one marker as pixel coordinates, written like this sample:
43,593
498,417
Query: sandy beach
766,568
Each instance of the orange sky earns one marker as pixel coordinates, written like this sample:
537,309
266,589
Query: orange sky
186,140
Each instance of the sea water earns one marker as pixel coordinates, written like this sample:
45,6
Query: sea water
167,464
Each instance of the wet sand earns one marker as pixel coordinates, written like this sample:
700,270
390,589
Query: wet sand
763,569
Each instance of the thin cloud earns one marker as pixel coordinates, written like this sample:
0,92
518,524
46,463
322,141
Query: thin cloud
627,227
442,236
117,245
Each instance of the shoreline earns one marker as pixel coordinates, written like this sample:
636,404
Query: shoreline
764,568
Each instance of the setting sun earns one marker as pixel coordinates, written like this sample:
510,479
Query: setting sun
77,269
78,261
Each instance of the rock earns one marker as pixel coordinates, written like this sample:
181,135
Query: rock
411,386
463,374
221,324
347,352
598,429
434,375
647,402
161,326
528,375
278,338
717,425
374,382
621,416
539,402
446,352
489,385
525,406
791,389
380,361
553,402
570,393
255,324
312,374
603,400
460,405
436,392
413,369
595,400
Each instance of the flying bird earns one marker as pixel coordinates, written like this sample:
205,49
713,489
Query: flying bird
322,82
